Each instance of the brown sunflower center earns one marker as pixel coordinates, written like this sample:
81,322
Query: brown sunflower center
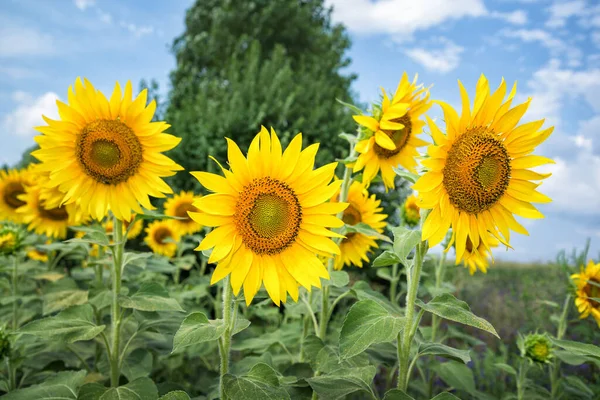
162,234
399,137
268,216
182,209
54,214
477,171
109,151
351,215
592,289
11,194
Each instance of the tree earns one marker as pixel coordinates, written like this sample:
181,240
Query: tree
243,64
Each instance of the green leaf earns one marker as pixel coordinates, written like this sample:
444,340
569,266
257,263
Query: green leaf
70,325
339,278
576,386
572,359
93,234
506,368
397,394
366,230
344,382
576,348
452,309
438,349
56,301
91,391
150,297
405,240
349,137
352,107
138,364
261,382
134,258
197,328
457,375
363,291
409,176
62,386
445,396
139,389
367,323
176,395
386,259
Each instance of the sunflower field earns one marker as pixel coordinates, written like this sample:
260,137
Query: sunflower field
279,270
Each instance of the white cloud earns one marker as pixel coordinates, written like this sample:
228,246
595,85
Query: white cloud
518,17
561,11
83,4
17,41
582,142
104,16
442,60
18,72
557,47
138,31
28,113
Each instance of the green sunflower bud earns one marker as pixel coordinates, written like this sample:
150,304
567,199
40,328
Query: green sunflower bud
11,237
537,348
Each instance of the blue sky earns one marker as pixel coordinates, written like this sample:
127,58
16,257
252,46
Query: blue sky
551,48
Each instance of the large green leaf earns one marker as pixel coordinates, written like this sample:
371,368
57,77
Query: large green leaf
56,301
405,240
150,297
445,396
176,395
457,375
367,323
260,383
197,328
439,349
135,258
576,386
366,230
91,391
363,291
138,364
344,382
576,348
450,308
62,386
70,325
397,394
139,389
386,259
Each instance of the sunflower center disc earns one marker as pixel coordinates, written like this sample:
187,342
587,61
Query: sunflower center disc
12,191
109,151
477,171
351,216
591,290
182,209
162,234
268,216
399,137
54,214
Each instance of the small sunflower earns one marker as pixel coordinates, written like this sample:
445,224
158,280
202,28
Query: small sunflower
410,211
12,185
39,255
106,154
392,133
10,239
162,238
178,206
537,348
361,208
478,171
52,222
478,258
588,291
271,215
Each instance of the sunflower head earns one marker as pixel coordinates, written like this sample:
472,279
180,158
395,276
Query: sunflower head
12,185
362,208
109,151
162,238
271,217
179,206
11,238
37,254
587,293
389,134
477,258
478,170
537,348
410,211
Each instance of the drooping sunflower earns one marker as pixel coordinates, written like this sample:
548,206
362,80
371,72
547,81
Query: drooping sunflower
478,258
162,238
392,131
410,211
178,206
49,221
12,185
271,215
106,154
362,208
478,170
588,291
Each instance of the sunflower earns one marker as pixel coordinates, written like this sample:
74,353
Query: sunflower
178,206
392,133
410,211
362,208
477,258
39,255
478,171
12,185
134,232
588,291
11,238
52,221
537,348
270,217
106,154
162,238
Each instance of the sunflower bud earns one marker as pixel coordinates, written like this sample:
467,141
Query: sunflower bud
536,347
410,211
10,239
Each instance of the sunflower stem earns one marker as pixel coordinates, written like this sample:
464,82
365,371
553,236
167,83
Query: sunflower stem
225,340
394,283
117,250
560,333
15,320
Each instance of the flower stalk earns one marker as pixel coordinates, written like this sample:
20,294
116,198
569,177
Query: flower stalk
555,367
115,313
14,284
225,341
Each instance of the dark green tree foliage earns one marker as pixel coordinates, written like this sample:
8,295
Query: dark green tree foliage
243,64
